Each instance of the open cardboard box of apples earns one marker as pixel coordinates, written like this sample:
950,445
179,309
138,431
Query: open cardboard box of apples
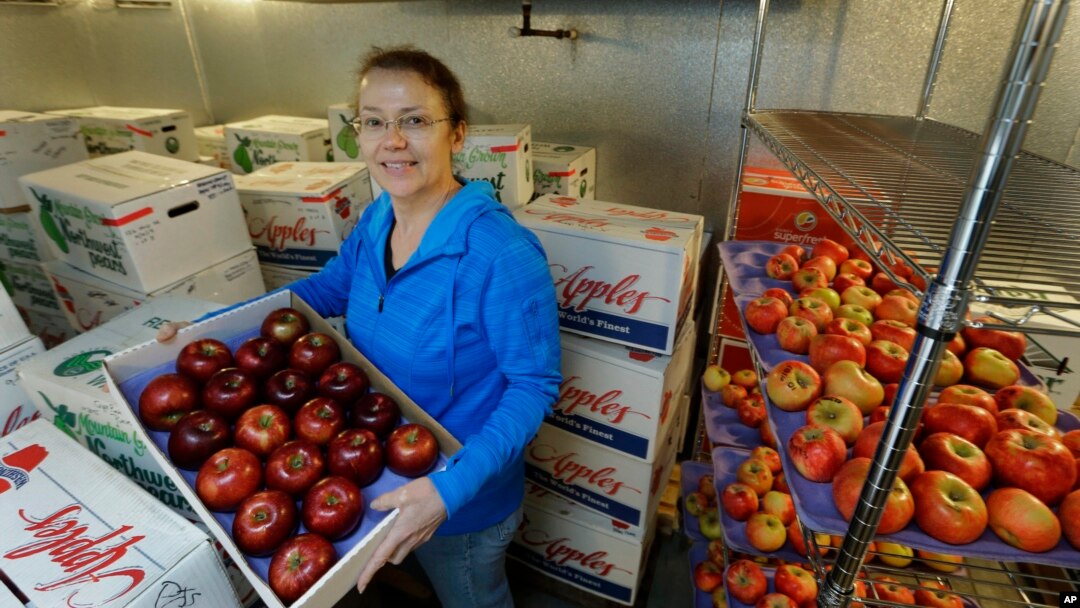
130,371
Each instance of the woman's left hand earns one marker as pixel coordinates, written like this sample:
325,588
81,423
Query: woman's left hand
422,511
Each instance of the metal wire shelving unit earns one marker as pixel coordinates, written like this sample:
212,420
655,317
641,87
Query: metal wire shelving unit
967,212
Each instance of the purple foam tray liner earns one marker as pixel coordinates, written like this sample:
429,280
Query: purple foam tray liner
744,267
690,474
817,511
133,387
723,426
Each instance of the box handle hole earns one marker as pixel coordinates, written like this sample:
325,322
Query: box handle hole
182,209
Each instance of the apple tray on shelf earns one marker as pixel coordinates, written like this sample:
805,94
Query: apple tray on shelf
131,370
723,426
689,477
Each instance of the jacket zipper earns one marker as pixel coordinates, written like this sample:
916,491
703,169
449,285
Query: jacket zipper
381,297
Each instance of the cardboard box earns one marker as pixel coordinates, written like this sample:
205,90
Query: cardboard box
53,329
774,206
261,142
212,148
622,273
610,483
128,371
563,169
298,214
571,544
76,533
344,144
29,287
12,327
139,220
16,409
111,130
21,236
89,301
502,156
30,143
619,397
67,386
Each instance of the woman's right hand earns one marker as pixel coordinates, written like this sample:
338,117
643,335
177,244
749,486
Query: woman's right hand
169,330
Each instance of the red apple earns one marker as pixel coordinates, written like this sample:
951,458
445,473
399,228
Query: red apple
817,452
826,265
857,267
357,455
261,356
756,474
1011,344
289,389
847,485
808,278
716,551
988,367
319,420
1019,419
263,429
837,413
230,392
826,349
796,583
696,503
769,456
745,581
867,442
893,331
950,370
1069,516
200,359
312,353
832,250
708,576
792,385
227,478
332,508
766,435
881,283
860,296
793,334
166,399
739,501
751,410
196,436
848,327
886,360
1031,461
263,522
947,508
798,252
746,378
411,450
781,266
1028,399
779,504
889,589
952,453
795,536
707,486
285,325
731,394
1071,440
780,294
765,532
1022,520
843,280
295,467
957,346
298,564
934,594
776,600
849,380
344,382
968,395
814,310
764,314
897,308
377,412
968,421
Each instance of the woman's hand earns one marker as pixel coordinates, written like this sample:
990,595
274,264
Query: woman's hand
422,511
169,330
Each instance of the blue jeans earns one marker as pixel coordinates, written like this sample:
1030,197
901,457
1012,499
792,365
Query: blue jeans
469,570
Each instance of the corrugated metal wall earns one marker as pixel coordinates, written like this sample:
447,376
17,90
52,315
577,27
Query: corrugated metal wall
657,87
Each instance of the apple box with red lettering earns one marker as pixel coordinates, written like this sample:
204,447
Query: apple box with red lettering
77,533
619,397
138,220
129,371
578,547
622,273
16,409
299,213
774,206
66,385
502,156
602,480
89,301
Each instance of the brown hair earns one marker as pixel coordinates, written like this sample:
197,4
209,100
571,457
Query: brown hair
428,68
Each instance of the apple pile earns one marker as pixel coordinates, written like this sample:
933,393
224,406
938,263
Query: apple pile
847,309
283,433
793,586
701,503
760,497
740,391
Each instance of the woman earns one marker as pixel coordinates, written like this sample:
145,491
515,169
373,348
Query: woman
446,294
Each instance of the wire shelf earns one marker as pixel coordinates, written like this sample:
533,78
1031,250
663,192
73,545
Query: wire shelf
897,184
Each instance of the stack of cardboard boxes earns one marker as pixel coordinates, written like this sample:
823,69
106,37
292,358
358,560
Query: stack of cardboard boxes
111,130
130,226
17,347
625,278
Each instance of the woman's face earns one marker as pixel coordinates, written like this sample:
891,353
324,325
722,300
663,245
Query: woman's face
412,166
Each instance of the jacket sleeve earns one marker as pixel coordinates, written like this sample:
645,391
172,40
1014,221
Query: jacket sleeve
520,318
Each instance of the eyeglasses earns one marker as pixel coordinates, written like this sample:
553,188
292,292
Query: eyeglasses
413,126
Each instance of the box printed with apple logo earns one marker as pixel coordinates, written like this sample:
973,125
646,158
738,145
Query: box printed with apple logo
77,533
130,371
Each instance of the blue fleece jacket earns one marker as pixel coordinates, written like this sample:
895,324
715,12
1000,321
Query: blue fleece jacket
468,328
